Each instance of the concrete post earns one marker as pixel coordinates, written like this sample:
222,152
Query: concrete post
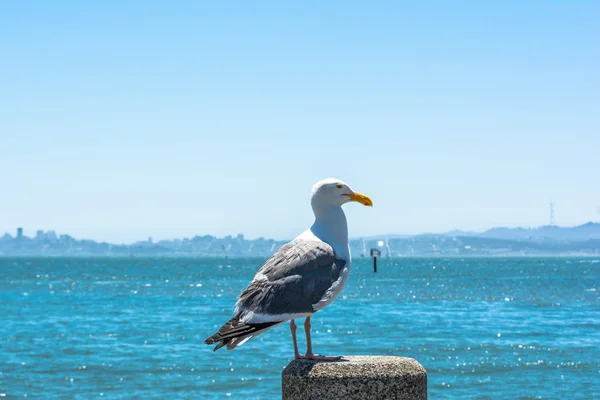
355,377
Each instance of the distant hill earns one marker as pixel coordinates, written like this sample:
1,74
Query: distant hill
591,230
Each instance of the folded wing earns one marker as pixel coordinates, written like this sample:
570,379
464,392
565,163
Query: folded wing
287,286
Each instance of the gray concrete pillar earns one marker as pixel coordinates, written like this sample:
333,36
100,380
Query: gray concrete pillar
355,377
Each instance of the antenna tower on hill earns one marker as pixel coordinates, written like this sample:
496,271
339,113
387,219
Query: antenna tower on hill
552,204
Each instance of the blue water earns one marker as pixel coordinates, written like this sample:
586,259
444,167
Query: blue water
487,328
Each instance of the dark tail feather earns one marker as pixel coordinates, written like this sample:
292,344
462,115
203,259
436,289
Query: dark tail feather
236,332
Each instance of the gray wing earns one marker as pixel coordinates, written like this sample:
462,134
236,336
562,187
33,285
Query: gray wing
292,280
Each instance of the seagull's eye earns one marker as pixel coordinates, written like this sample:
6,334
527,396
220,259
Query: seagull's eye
339,186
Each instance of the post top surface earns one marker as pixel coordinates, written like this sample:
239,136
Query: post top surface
353,366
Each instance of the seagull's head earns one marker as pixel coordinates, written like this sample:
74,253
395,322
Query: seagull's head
334,192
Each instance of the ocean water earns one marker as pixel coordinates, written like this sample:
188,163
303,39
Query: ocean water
484,328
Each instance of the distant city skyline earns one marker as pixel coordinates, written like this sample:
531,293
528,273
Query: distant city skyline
123,120
547,240
52,233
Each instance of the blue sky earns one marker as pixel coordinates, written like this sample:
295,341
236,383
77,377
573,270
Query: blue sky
121,120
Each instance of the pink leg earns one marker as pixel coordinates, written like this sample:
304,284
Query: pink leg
309,354
293,329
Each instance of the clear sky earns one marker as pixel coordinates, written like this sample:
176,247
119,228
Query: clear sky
121,120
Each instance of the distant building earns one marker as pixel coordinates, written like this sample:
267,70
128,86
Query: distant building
39,235
51,236
19,233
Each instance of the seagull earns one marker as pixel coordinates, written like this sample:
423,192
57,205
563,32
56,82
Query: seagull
304,276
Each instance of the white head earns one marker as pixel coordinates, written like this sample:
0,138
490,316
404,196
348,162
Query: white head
334,192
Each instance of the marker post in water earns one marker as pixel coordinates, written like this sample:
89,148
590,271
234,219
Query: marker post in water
375,253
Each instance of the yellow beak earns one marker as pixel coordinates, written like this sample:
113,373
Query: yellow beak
361,198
